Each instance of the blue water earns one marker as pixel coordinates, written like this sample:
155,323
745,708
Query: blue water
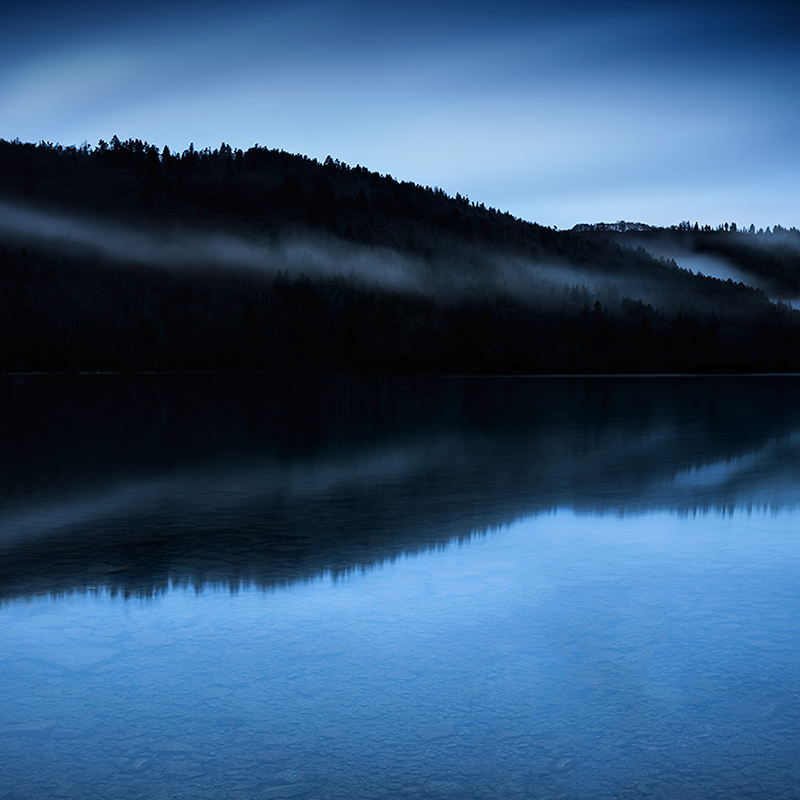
634,635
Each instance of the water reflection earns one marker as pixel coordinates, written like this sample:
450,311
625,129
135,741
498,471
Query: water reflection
438,589
132,483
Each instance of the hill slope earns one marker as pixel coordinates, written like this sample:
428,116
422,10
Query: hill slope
123,257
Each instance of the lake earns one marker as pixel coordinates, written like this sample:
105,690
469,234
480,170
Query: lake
251,587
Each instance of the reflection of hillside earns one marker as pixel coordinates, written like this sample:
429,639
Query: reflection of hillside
130,482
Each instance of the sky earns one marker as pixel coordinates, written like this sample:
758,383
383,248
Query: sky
559,113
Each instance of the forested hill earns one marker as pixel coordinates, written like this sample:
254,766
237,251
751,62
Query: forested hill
769,258
126,257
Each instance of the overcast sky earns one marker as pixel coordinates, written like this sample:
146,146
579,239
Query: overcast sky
560,112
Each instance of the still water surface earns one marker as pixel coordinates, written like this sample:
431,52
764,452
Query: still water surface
375,589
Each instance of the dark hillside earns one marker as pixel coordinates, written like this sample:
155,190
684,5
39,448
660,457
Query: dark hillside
107,263
769,258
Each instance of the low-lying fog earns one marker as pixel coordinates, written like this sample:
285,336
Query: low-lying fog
312,254
176,248
455,272
704,264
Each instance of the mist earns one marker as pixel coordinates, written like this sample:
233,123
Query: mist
462,272
441,267
177,248
699,264
547,284
777,245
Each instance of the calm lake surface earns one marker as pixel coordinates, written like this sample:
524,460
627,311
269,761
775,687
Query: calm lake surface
423,588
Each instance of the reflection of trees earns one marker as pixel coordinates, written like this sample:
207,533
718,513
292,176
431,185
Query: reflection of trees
267,481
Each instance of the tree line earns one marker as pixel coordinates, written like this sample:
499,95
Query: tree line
64,312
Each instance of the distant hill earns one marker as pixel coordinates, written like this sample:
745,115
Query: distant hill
124,257
767,258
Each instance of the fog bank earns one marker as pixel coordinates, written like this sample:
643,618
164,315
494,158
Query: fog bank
462,272
452,271
176,248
